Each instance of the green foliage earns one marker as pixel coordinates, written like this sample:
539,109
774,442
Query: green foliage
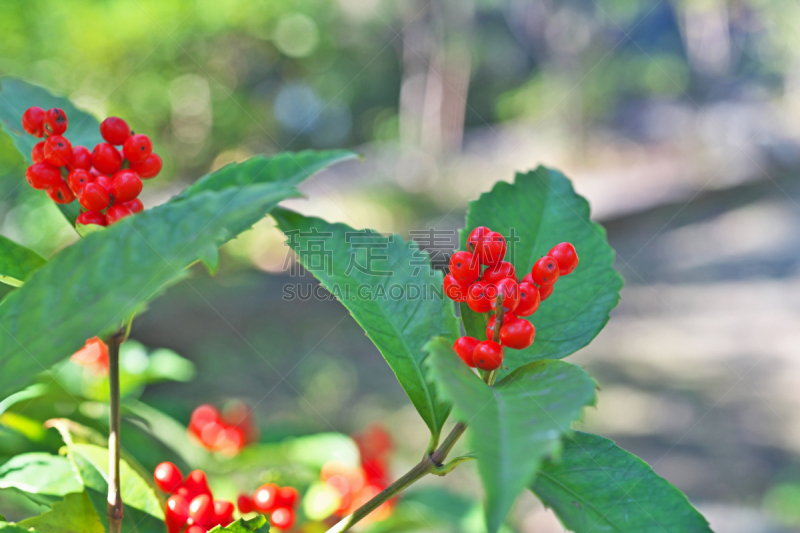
513,425
91,287
16,96
597,486
286,167
542,209
258,524
43,477
399,327
72,514
17,262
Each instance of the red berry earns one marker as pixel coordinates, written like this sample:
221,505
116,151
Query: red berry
137,148
488,355
282,518
475,236
177,513
92,217
194,528
126,186
33,121
517,334
509,288
106,158
105,181
287,497
149,168
527,279
566,257
545,271
134,205
495,273
245,504
528,299
167,476
78,179
115,130
57,151
60,192
223,511
454,290
264,498
81,158
465,347
465,267
41,176
94,197
196,482
202,415
201,511
480,296
55,121
492,249
545,291
37,153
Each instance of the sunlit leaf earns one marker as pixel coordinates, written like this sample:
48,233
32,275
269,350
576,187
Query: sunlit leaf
515,424
17,262
596,486
75,513
109,275
43,477
362,267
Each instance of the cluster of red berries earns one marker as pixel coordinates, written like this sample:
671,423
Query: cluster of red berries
480,278
270,499
227,432
106,182
356,486
191,504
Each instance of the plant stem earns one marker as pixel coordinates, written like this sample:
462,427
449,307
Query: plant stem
114,492
428,465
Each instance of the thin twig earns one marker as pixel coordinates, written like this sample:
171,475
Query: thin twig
114,490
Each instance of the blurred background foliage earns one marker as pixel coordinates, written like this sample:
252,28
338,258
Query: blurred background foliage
677,119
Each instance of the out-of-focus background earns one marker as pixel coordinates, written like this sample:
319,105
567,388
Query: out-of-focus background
678,120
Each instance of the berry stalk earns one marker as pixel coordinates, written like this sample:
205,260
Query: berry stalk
114,486
430,464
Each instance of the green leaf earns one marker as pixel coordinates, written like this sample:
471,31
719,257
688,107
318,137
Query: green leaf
16,96
258,524
398,325
17,262
75,513
474,323
142,508
544,210
290,168
92,286
43,477
597,486
515,424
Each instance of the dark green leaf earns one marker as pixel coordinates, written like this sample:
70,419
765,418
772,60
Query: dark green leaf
258,524
16,96
515,424
75,513
543,210
290,168
399,325
17,262
474,323
111,274
44,477
142,508
597,486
